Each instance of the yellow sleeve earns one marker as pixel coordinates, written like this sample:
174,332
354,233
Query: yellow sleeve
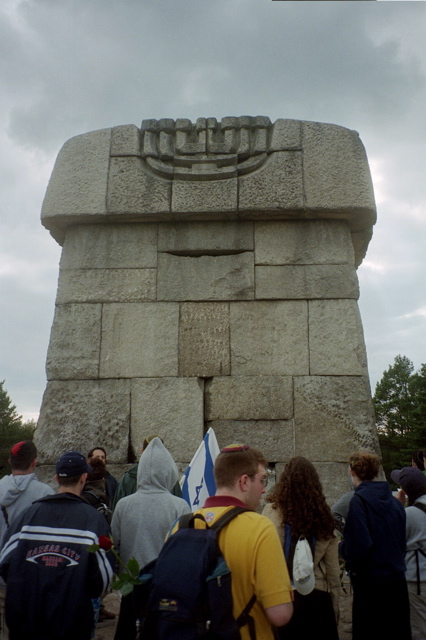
272,580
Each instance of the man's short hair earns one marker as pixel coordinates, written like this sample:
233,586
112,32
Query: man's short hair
90,454
68,482
22,455
235,461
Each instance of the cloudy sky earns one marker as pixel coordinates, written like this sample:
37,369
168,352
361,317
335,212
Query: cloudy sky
72,66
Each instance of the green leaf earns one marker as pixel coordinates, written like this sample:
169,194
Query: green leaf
126,589
93,548
133,567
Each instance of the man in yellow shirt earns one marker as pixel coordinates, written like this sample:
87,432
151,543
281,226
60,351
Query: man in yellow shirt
250,542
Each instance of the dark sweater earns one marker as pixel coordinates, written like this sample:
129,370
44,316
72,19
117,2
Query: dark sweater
374,536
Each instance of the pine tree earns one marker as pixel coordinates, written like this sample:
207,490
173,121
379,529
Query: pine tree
9,417
12,428
400,405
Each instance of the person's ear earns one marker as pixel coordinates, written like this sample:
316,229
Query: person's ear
244,481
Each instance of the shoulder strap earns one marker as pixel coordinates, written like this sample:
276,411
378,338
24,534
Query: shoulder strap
227,517
245,618
420,506
187,521
92,498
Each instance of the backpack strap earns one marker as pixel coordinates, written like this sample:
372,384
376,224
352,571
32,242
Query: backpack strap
227,517
244,618
420,506
290,542
91,498
187,521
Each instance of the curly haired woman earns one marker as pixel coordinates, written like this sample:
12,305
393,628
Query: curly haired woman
297,500
374,547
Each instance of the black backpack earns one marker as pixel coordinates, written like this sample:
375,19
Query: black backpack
186,592
100,506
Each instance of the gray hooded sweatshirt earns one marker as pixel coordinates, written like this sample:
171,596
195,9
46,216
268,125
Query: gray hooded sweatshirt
416,539
142,520
17,493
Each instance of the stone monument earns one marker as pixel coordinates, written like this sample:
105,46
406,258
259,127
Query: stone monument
208,279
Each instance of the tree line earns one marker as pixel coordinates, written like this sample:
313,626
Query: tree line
400,405
12,428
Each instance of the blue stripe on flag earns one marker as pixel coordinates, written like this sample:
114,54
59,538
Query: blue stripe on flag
185,486
208,469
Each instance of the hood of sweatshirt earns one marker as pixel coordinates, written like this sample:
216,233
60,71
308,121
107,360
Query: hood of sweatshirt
157,471
11,487
378,495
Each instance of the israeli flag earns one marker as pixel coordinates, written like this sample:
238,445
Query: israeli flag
198,483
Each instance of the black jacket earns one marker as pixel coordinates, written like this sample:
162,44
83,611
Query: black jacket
50,575
374,535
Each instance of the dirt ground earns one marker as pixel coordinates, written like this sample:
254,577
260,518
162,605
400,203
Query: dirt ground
106,630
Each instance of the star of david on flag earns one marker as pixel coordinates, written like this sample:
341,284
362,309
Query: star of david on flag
198,483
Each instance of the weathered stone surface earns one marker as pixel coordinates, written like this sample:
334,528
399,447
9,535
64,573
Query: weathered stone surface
334,478
336,174
275,438
249,398
287,134
360,241
74,342
269,338
132,190
218,197
218,254
276,187
306,282
79,414
336,340
116,246
139,340
204,238
125,140
78,183
171,408
204,348
333,417
107,285
229,277
303,242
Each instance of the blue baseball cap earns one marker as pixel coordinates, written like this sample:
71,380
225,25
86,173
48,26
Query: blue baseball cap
72,464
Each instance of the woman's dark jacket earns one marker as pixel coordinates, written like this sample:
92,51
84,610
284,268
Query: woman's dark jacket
374,541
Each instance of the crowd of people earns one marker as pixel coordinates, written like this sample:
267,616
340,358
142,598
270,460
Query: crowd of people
55,572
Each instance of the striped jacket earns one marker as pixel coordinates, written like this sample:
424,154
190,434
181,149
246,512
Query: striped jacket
50,575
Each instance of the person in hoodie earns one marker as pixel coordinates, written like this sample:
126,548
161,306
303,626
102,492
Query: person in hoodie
413,485
142,520
128,483
19,490
373,548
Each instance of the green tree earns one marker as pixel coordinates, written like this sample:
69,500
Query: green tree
12,428
418,390
400,406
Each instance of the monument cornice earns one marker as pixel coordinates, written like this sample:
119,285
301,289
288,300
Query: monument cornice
239,168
